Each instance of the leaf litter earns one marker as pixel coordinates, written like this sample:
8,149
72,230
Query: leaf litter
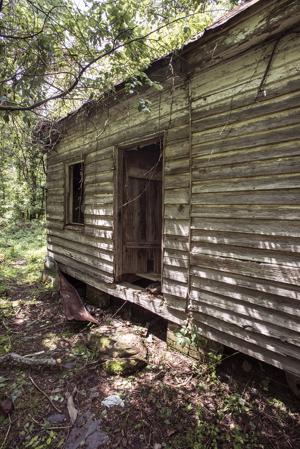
173,403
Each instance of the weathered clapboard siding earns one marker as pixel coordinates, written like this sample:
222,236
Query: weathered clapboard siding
94,141
245,281
229,116
90,245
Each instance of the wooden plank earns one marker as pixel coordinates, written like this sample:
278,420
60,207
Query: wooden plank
258,346
99,199
54,224
105,233
177,166
241,95
116,133
286,342
262,227
177,181
55,216
275,212
270,122
100,154
74,264
243,341
128,293
88,260
267,167
269,243
56,176
56,191
99,177
235,292
80,237
178,227
245,106
175,274
175,303
236,62
173,261
256,139
174,288
268,319
176,196
97,167
288,181
94,220
257,285
282,274
240,253
179,132
259,153
177,212
256,197
99,188
177,243
52,167
151,276
99,210
83,248
177,150
52,200
55,208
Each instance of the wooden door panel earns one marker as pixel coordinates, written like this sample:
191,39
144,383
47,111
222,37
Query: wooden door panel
142,211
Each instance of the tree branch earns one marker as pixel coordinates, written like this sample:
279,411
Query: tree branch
29,36
73,85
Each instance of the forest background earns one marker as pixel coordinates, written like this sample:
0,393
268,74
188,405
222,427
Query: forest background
57,54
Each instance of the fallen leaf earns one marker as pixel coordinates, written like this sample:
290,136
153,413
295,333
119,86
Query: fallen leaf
73,412
6,406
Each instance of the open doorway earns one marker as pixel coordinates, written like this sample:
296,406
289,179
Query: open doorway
140,213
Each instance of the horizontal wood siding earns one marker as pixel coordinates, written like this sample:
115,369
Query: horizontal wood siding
229,112
94,140
245,240
88,247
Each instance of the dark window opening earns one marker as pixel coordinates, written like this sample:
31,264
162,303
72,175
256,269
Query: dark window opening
76,177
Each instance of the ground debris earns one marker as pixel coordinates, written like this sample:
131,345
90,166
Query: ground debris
6,406
13,358
72,410
87,433
113,401
173,403
74,308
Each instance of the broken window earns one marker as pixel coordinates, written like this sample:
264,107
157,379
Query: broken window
75,194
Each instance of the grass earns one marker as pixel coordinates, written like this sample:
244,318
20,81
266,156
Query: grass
22,251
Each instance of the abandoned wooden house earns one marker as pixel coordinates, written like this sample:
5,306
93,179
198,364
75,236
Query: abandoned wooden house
202,193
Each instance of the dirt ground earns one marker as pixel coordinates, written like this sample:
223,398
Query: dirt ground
174,403
228,402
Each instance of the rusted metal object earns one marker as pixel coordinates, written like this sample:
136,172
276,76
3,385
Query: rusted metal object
74,308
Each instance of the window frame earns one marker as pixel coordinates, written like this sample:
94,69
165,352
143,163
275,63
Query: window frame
68,206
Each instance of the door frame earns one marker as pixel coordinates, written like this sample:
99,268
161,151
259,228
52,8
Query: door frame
118,194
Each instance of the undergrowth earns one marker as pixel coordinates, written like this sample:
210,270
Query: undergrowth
22,251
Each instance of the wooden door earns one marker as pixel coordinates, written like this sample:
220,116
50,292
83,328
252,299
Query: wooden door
142,210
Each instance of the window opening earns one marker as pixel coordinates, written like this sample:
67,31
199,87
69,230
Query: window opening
76,178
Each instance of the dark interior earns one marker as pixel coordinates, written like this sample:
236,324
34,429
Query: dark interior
141,223
76,179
